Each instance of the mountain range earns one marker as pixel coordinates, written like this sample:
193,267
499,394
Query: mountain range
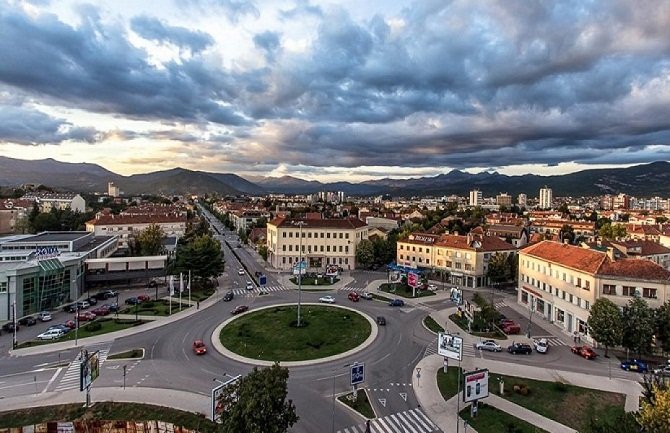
641,180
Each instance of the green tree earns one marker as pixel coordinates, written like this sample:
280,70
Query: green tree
263,251
365,253
257,403
638,326
244,238
609,231
498,270
202,256
149,242
567,232
593,217
605,323
662,317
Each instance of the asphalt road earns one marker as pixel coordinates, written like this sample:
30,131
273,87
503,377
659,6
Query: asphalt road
169,361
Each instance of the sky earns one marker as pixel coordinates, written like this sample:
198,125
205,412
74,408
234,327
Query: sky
336,90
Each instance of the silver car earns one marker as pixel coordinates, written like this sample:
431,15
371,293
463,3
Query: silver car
489,345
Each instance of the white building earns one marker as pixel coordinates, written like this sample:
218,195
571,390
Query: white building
113,190
523,199
127,226
546,198
475,197
48,201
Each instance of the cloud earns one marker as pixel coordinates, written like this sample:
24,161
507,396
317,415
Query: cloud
153,29
268,42
234,10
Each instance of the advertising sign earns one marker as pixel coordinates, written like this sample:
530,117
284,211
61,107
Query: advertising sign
357,373
299,268
413,279
332,270
394,276
218,406
476,385
450,346
89,369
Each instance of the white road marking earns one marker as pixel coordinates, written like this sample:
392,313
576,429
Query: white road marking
52,380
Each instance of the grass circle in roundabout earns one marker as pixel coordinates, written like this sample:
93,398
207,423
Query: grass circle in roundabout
271,334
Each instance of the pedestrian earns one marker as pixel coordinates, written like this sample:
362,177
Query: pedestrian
574,337
579,338
197,305
367,427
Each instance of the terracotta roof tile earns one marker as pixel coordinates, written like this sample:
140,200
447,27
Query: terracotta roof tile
635,269
582,259
345,223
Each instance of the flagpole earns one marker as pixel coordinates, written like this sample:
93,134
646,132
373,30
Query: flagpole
171,292
189,287
181,288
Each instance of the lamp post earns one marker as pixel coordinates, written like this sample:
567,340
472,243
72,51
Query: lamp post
332,428
299,224
530,316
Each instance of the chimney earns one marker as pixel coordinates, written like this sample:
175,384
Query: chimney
610,253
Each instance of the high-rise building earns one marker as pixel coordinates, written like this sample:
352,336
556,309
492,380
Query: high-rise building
523,199
504,199
475,197
546,197
621,201
112,189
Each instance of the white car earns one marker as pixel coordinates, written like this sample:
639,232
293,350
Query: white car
327,299
541,345
432,287
51,334
45,316
250,286
489,345
663,370
240,271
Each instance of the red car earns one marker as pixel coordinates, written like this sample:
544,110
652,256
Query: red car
143,298
70,324
584,351
239,309
353,296
101,311
86,316
510,327
199,347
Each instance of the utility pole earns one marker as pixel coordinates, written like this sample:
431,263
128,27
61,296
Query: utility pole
299,224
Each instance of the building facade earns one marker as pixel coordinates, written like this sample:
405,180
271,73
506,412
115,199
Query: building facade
127,226
546,198
476,198
320,242
48,201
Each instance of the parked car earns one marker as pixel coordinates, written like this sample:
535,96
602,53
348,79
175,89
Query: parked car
113,308
489,345
250,285
132,301
70,324
9,327
366,295
510,328
143,298
62,326
584,352
85,316
353,296
44,316
27,321
240,271
239,309
82,305
199,347
635,365
541,345
102,310
662,370
327,299
110,294
381,320
71,308
521,348
432,287
397,303
52,334
229,296
92,300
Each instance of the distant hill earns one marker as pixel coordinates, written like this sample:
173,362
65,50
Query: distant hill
641,180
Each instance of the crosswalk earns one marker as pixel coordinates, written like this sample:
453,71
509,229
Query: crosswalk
257,291
500,304
352,289
552,340
70,380
409,421
468,349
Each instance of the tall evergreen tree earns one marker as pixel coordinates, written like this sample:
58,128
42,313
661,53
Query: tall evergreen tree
605,323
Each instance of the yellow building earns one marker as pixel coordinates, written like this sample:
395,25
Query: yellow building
323,241
560,282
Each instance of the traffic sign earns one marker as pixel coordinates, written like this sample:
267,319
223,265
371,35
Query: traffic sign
412,279
262,280
357,373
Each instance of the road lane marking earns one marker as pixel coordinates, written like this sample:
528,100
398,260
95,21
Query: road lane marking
52,380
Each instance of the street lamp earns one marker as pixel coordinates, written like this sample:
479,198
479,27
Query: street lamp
299,224
332,428
530,316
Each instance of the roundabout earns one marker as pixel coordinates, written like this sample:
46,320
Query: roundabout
269,334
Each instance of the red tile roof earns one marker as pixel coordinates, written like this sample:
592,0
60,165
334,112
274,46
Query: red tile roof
634,268
345,223
581,259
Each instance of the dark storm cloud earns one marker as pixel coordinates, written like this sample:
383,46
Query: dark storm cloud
268,42
154,30
29,127
94,67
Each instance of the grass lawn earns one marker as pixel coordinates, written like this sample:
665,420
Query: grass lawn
404,290
448,382
492,420
362,405
271,335
310,281
554,400
462,323
432,325
200,295
89,330
381,298
128,354
155,308
106,411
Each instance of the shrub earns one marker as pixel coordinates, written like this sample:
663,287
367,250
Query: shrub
94,326
560,386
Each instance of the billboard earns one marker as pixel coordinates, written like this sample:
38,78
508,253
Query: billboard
332,270
413,279
476,385
89,369
218,405
300,268
450,346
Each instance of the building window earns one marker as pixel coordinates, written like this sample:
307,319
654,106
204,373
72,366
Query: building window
448,264
646,293
579,282
290,234
401,257
283,247
587,285
328,235
560,315
628,291
458,266
524,297
420,249
346,236
609,289
321,248
341,235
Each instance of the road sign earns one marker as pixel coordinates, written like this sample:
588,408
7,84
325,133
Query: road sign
403,395
412,279
357,373
262,280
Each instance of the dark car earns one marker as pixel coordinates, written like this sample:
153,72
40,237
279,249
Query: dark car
71,308
239,309
92,300
635,365
381,321
9,327
521,348
132,301
113,308
229,296
100,296
27,321
63,327
397,303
